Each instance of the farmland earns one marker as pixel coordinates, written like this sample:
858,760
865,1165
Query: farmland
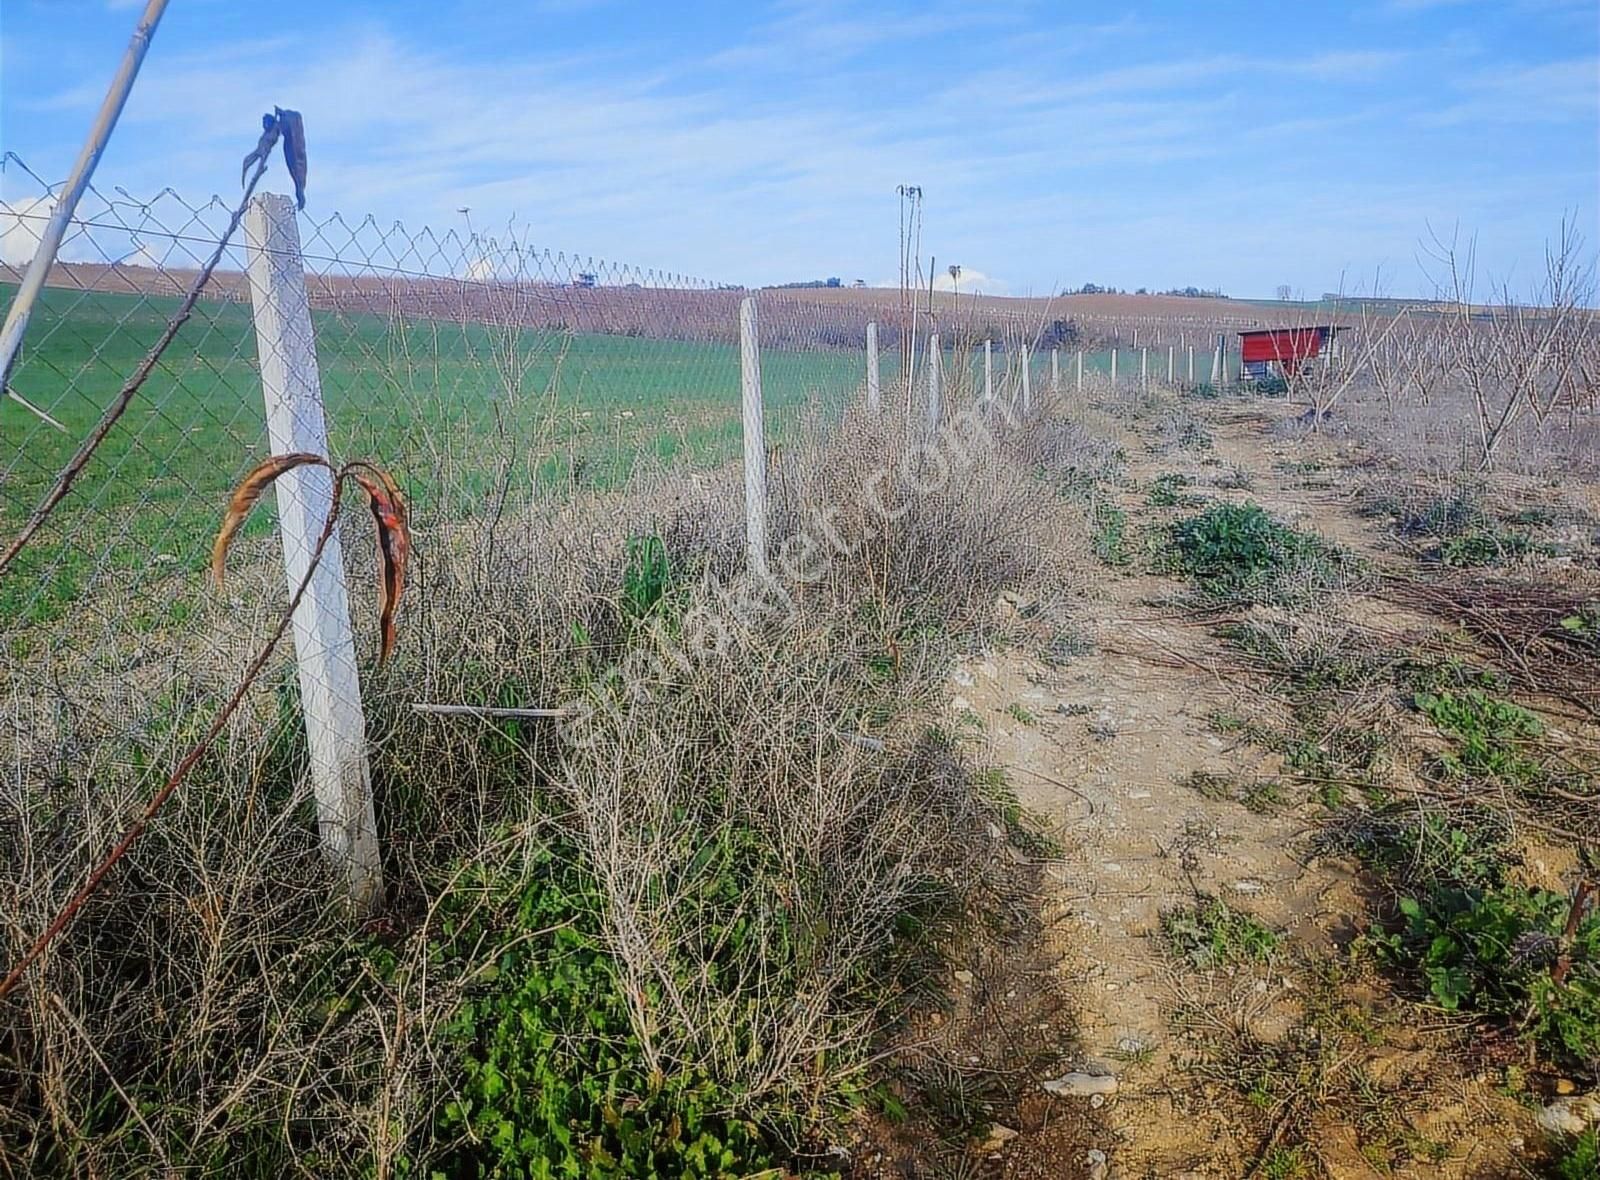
630,376
598,404
1175,745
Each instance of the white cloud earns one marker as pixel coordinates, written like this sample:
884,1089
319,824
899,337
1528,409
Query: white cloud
1039,157
971,282
21,226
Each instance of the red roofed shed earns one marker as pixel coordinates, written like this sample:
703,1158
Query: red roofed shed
1288,348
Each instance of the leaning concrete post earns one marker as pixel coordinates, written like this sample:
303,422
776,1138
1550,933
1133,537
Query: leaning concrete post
324,644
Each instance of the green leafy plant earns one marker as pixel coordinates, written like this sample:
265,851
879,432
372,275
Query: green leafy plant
1493,950
1288,1163
1260,795
1022,830
1581,628
1490,735
1212,933
1110,525
1579,1159
646,577
553,1079
1238,550
1487,546
1021,713
1166,491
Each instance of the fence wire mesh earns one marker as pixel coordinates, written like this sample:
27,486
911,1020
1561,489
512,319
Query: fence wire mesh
480,368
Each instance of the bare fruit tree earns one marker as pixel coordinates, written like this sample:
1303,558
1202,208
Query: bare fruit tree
1320,386
1516,357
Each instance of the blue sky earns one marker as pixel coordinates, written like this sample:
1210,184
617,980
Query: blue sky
1239,145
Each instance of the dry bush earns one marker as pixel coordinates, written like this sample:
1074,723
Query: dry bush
213,1011
739,756
1063,448
937,526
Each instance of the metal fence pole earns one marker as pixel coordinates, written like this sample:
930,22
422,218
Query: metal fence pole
755,441
324,645
872,366
66,201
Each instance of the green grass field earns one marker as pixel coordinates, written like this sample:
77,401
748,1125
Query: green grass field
422,397
425,398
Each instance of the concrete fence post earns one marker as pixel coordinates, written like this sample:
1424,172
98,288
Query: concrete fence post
755,441
1055,370
1144,368
1027,379
1216,364
933,381
873,395
1113,366
324,644
1078,377
988,372
1172,355
1191,364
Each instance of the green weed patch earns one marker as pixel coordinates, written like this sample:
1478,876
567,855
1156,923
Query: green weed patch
1238,551
1212,933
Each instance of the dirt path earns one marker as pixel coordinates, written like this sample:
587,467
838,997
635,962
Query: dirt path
1105,752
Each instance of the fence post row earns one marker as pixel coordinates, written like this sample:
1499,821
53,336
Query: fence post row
933,380
872,366
324,644
755,442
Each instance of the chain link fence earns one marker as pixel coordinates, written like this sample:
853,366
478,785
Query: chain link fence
482,370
